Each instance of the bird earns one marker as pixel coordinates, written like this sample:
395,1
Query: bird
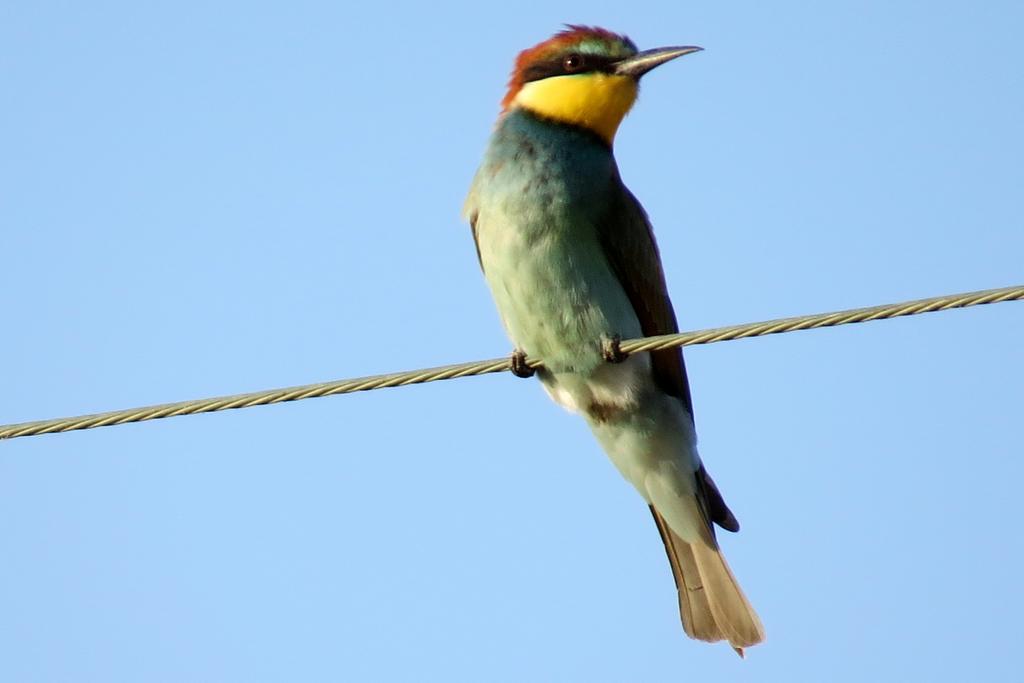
573,267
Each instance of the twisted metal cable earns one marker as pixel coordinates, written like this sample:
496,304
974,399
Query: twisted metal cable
400,379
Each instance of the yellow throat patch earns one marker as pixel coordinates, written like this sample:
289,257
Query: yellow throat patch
595,100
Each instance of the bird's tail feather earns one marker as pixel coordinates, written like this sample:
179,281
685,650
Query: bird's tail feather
711,604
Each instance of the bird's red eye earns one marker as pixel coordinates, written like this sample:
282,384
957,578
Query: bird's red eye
573,62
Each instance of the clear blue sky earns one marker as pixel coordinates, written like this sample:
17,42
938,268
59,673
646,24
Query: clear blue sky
207,198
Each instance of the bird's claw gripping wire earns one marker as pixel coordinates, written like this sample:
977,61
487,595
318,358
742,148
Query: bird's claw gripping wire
518,365
611,350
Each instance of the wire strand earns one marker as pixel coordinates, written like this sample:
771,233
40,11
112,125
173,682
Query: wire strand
401,379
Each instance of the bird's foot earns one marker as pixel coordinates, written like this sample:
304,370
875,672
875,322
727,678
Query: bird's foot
611,350
518,365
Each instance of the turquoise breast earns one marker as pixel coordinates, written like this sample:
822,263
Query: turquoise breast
536,204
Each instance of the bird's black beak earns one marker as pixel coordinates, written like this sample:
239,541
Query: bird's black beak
642,62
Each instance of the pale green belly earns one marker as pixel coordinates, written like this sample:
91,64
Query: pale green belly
557,296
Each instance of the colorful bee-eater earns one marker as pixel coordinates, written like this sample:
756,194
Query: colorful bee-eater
572,264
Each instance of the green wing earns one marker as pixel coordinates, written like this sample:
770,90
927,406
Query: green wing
629,245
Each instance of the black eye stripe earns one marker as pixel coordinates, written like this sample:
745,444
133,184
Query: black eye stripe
557,66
